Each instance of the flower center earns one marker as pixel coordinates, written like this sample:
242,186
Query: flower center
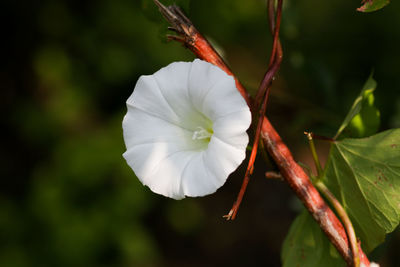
202,133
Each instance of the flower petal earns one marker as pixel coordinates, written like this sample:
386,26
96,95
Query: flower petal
214,107
232,127
221,159
197,180
171,116
173,83
161,169
213,92
167,178
158,151
202,77
141,128
147,96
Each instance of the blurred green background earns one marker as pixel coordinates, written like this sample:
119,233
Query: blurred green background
67,197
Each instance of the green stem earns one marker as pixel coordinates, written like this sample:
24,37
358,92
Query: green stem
335,203
314,155
344,218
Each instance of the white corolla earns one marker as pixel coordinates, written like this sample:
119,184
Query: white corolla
185,129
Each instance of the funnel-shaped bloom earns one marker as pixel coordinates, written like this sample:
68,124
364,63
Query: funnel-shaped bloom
185,129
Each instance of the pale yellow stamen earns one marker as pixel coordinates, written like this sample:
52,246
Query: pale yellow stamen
201,133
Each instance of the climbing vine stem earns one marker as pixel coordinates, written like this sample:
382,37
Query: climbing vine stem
290,170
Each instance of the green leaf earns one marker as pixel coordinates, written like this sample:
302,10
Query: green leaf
364,174
372,5
307,245
363,118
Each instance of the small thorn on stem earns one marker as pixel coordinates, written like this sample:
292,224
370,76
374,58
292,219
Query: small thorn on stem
176,38
273,175
172,29
232,213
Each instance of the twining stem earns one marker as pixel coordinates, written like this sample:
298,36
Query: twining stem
344,218
334,202
276,53
250,167
293,174
262,95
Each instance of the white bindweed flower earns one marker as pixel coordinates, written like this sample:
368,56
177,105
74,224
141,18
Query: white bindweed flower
185,129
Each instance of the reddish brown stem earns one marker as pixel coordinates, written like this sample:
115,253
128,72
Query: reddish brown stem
293,174
250,166
307,193
276,53
263,93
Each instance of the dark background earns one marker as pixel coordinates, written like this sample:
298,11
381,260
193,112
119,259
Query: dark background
67,197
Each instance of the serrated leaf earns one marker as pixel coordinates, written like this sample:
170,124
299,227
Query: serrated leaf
306,245
364,174
372,5
363,118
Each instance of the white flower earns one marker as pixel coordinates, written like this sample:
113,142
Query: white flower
185,129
